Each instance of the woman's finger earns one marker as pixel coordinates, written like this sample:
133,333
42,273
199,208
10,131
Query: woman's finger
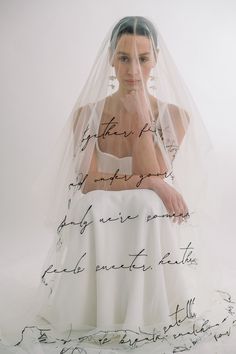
176,210
185,210
170,209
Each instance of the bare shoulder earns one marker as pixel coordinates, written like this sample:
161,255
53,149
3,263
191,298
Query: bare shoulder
81,113
155,104
178,113
180,120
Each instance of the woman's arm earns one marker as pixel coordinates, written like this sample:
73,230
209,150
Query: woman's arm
172,199
180,120
147,174
147,157
114,181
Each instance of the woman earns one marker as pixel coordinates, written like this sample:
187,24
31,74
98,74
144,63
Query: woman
127,173
128,105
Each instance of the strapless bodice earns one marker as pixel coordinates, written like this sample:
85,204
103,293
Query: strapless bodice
124,164
110,163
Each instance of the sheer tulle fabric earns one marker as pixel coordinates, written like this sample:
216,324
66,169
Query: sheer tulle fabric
119,267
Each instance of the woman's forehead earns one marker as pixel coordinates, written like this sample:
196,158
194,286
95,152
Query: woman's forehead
130,44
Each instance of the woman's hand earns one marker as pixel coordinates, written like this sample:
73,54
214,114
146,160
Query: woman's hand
172,199
136,104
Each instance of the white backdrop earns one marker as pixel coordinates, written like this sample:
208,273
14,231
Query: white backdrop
47,50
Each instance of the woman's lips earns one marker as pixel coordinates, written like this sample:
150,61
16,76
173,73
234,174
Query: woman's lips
132,81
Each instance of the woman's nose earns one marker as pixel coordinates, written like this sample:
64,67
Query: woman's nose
133,68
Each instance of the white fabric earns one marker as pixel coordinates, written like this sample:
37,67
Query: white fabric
178,302
123,163
148,296
127,303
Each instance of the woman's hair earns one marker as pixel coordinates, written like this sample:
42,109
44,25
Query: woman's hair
133,25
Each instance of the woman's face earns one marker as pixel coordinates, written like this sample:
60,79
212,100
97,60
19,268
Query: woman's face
133,60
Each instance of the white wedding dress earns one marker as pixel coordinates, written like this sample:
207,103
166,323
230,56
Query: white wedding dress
119,272
143,292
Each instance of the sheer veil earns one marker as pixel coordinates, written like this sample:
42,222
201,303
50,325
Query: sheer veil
104,118
135,110
168,111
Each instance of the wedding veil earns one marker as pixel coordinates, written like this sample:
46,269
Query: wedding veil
102,120
134,121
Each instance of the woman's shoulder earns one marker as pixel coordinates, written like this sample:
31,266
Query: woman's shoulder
83,112
163,107
158,103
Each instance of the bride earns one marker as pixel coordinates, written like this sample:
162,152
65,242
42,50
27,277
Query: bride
125,195
124,128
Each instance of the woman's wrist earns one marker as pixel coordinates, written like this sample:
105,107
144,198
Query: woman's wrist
152,182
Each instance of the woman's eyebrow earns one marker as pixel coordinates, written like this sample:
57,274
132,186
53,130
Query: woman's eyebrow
124,53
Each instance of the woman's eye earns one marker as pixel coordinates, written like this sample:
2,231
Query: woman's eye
143,60
123,59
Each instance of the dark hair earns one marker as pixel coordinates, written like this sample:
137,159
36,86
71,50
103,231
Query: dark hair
133,25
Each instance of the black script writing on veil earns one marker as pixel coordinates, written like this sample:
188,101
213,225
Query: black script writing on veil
187,257
76,270
108,131
132,266
83,223
173,333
